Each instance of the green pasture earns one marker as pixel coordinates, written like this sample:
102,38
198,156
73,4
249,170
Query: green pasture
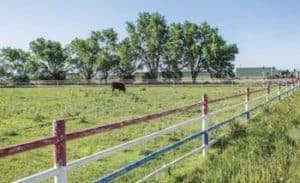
27,113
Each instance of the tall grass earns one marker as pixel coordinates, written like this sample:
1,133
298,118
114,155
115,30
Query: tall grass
262,151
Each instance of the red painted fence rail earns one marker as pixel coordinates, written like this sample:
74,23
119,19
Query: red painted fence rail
121,124
105,128
27,146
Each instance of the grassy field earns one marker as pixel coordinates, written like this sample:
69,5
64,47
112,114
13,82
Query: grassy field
27,113
266,150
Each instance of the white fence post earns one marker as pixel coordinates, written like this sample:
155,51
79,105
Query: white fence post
59,151
204,123
247,104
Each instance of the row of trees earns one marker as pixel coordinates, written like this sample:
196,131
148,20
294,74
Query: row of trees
151,44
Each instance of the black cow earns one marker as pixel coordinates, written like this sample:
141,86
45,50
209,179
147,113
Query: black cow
118,85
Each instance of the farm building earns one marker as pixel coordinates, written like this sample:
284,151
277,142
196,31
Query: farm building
297,74
256,71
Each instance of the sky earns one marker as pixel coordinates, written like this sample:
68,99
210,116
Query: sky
267,32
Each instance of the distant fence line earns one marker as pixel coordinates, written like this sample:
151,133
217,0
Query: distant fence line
206,82
60,136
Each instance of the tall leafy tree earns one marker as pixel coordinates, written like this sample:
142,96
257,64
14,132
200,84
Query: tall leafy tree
82,56
220,57
197,48
128,60
14,62
148,36
173,53
96,53
50,59
107,57
195,38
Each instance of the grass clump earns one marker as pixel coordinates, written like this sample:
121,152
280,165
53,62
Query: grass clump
10,133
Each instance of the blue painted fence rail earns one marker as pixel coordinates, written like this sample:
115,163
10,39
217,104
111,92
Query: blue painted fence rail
123,170
147,158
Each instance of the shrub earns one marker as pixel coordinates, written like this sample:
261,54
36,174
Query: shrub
148,75
21,78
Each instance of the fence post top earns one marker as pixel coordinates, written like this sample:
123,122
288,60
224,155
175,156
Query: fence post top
58,124
59,121
204,104
248,91
204,97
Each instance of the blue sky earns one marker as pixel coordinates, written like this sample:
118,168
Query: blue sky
267,32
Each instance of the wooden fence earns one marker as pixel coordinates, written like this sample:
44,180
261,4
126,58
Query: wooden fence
60,137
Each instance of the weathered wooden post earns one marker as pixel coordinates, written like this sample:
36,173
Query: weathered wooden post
268,92
204,123
293,85
278,92
59,150
247,104
286,87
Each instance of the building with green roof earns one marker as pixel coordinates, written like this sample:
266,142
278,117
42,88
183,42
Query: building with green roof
254,72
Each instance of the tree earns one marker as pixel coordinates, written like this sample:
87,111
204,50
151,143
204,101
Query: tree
50,59
14,62
148,37
173,53
219,56
96,53
107,57
128,60
2,70
194,40
204,49
82,56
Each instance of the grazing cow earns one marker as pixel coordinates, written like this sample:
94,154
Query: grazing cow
118,85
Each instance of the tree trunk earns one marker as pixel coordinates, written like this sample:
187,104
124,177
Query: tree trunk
153,74
88,75
194,79
105,76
